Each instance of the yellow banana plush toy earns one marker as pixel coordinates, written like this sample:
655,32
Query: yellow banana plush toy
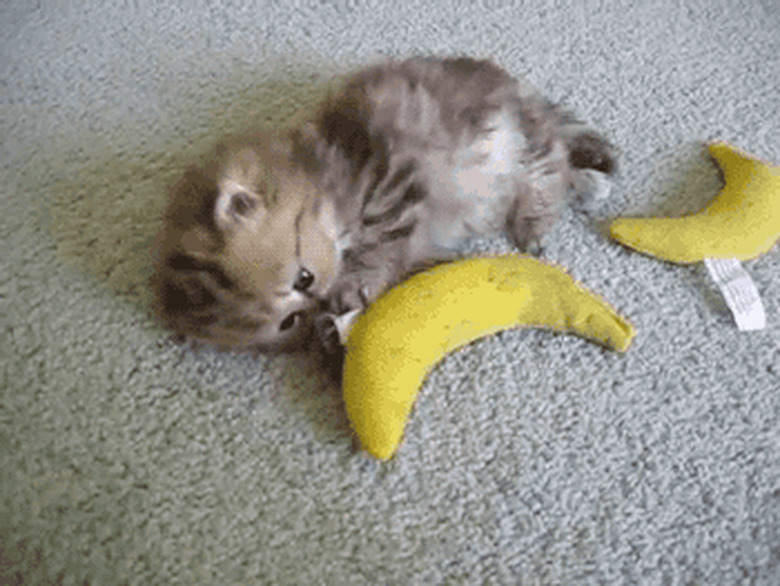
742,222
399,338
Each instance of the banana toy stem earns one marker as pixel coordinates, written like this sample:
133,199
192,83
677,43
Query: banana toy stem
397,340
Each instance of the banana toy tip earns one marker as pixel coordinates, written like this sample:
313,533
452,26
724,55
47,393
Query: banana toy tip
742,221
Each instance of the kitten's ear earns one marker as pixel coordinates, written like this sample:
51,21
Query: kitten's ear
240,183
236,206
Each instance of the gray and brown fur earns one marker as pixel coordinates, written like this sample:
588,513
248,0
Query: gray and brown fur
396,171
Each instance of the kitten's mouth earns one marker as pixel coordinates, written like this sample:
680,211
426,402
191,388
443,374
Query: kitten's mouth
296,319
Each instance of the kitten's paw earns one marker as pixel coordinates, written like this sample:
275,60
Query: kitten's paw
332,332
533,247
328,349
349,296
590,187
589,150
528,233
327,333
530,245
332,364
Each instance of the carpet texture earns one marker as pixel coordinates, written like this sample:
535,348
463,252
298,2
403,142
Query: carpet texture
530,458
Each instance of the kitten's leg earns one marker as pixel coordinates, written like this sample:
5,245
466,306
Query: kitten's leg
589,187
367,279
587,148
540,201
528,231
328,346
591,158
332,329
345,304
541,190
532,216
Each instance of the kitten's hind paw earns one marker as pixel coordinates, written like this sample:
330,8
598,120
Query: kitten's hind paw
589,150
590,187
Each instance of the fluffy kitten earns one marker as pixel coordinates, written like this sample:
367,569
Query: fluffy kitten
397,170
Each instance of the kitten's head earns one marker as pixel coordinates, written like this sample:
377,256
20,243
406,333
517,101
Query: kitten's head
248,251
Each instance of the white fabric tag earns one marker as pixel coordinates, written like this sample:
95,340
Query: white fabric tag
739,291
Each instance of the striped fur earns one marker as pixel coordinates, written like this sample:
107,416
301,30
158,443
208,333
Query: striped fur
398,168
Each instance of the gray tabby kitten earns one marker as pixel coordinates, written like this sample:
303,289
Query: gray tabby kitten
397,170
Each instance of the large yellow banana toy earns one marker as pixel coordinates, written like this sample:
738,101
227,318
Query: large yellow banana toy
399,338
743,221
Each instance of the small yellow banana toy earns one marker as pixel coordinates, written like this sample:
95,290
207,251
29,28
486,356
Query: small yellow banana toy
743,221
397,340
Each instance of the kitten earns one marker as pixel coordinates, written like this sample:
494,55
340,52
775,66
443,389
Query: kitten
396,171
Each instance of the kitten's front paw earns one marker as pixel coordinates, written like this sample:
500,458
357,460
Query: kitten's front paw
350,296
528,232
333,330
327,332
533,247
330,351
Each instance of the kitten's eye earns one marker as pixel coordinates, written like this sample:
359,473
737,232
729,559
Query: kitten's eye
241,204
289,321
303,281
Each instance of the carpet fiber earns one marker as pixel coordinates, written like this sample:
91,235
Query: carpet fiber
530,458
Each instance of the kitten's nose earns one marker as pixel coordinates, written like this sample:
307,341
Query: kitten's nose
304,280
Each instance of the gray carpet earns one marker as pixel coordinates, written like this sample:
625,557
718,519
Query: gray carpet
530,458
